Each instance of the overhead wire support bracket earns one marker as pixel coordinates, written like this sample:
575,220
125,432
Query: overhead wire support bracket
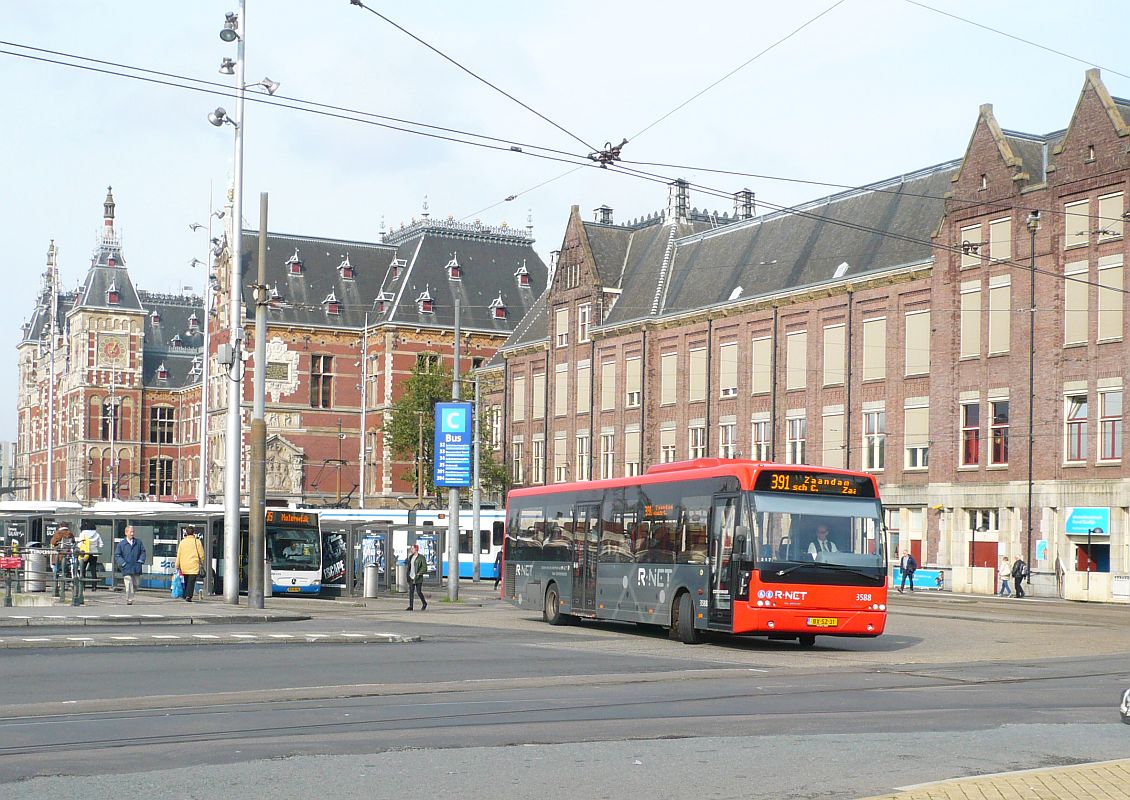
608,155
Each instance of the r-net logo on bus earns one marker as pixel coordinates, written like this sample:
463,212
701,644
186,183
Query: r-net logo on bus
781,594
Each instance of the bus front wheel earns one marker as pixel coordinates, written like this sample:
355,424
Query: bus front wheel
552,611
683,624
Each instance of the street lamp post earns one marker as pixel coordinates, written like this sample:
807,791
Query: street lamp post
1090,558
973,543
1033,224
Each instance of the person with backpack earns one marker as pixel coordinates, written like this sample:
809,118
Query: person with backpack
908,565
1020,571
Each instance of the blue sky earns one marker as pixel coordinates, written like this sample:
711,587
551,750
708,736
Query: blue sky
871,89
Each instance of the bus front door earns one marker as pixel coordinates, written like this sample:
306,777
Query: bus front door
586,544
723,519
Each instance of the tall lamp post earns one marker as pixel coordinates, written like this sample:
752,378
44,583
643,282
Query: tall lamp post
1090,558
235,26
211,285
973,544
1033,224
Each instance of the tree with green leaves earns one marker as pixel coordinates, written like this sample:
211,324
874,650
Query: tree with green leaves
430,383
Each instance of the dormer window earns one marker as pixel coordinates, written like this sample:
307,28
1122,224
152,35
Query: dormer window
498,308
193,323
424,302
111,261
162,373
273,296
155,317
522,275
113,297
384,299
197,366
346,269
294,264
396,266
454,271
331,303
175,341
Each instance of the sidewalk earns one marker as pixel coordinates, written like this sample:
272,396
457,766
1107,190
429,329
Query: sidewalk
1099,781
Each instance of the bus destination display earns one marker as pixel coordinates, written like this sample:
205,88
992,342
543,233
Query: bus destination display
807,482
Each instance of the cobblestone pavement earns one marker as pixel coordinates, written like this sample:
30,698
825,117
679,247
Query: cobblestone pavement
1107,780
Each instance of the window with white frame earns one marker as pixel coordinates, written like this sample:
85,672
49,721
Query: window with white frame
971,433
696,439
560,459
970,319
762,363
971,246
1075,428
1110,424
697,375
1000,313
632,462
874,439
916,339
668,379
607,454
584,387
584,457
983,519
584,319
874,349
608,386
516,461
518,401
728,369
1076,224
998,432
1000,239
1111,220
761,446
796,360
539,462
562,327
1076,302
495,426
797,433
727,434
916,433
667,445
561,390
834,337
633,382
539,396
1110,298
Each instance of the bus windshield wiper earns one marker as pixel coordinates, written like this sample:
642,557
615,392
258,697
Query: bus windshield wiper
824,565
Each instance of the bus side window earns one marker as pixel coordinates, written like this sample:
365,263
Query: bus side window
496,534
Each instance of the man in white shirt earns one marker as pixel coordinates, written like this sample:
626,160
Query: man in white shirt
90,547
822,544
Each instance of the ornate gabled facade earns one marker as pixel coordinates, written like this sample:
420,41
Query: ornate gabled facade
883,329
123,368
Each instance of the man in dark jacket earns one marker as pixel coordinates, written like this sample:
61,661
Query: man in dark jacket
907,565
497,568
129,555
417,568
1019,573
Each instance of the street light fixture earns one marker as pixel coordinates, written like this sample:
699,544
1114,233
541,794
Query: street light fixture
973,544
219,117
227,66
1033,224
229,33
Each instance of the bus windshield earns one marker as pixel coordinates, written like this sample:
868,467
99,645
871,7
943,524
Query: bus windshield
818,530
293,548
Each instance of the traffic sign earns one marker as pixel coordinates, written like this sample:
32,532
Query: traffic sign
453,446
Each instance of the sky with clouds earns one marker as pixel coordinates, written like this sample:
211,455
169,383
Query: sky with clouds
840,92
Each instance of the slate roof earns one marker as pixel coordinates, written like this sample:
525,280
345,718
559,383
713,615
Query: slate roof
1034,151
182,368
487,258
36,327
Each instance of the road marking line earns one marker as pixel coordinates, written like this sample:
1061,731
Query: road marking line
37,639
165,636
204,636
79,639
125,638
352,635
153,616
280,635
243,636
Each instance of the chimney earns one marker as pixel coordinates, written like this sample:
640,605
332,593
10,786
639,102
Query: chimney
677,205
603,215
744,206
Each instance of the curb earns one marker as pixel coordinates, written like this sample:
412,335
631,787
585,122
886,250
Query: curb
90,620
168,640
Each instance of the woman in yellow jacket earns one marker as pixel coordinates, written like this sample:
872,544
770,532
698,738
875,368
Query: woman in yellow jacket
190,561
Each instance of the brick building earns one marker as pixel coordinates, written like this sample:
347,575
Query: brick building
884,329
123,368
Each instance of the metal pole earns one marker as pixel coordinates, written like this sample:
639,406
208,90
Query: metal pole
113,433
453,494
202,486
1033,223
476,493
364,401
257,512
234,443
50,496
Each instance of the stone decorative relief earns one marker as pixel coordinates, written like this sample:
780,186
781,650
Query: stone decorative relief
284,467
282,370
282,420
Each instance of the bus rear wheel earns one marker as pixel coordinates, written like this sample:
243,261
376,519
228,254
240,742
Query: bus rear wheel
552,611
806,639
682,626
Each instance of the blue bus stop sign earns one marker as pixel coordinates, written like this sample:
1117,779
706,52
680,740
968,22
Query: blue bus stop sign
453,450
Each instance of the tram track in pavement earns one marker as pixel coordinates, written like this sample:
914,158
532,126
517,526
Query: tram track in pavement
456,705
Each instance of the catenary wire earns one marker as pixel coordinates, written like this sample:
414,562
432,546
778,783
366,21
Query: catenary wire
474,75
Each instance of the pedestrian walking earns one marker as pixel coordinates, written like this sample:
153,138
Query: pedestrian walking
497,567
908,565
1020,571
129,555
189,561
1006,573
417,568
63,543
90,545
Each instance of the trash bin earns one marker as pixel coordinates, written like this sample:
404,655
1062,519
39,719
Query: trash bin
372,580
268,580
35,572
402,576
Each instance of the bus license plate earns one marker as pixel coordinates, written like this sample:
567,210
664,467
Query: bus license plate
823,622
293,589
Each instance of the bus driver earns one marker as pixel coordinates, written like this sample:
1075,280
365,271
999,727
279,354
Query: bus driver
822,544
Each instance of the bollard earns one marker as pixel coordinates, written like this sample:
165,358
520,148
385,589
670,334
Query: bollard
372,580
77,597
58,583
8,590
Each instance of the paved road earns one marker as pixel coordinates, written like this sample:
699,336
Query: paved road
497,705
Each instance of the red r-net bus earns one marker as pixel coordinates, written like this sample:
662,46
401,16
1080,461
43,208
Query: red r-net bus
727,545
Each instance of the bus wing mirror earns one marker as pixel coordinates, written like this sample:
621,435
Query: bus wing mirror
741,536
